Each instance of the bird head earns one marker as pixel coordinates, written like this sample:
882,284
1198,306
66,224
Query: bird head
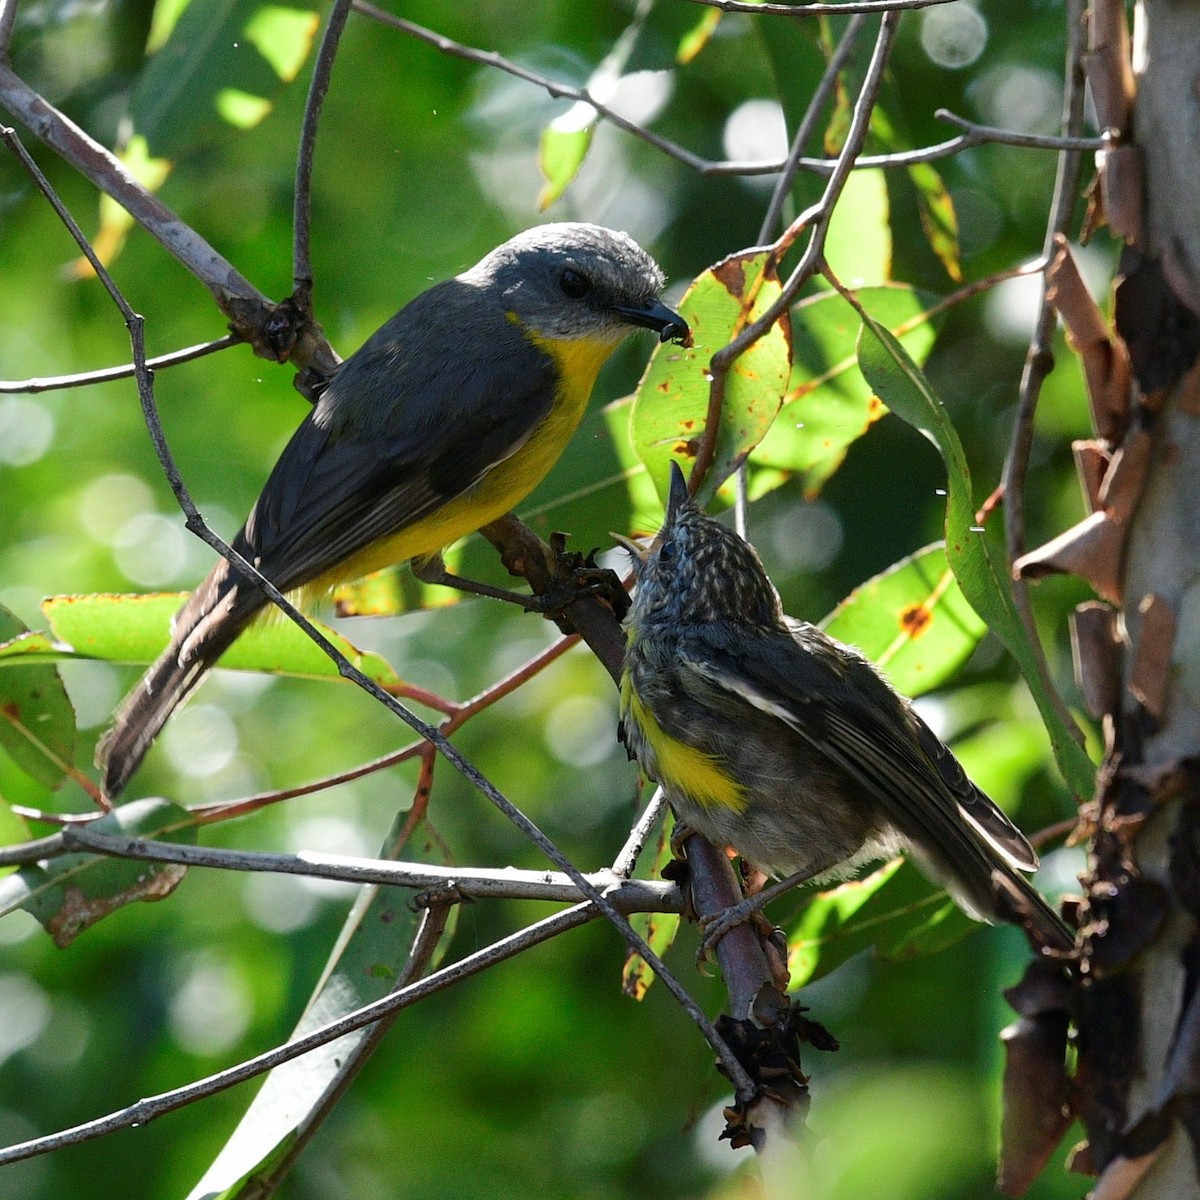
572,281
697,571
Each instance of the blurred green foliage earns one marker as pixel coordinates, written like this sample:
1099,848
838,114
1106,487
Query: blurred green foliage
537,1076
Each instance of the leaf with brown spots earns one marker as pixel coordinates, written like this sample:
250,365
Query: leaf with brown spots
671,407
912,619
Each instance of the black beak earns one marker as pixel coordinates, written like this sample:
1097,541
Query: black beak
677,496
667,323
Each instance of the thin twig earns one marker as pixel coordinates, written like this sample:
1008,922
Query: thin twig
50,383
1039,360
25,854
146,1110
804,131
8,21
817,218
979,135
625,862
1051,833
811,10
817,10
302,276
458,715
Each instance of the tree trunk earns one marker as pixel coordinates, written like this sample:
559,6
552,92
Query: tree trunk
1136,1000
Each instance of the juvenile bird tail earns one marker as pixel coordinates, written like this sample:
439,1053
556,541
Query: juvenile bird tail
1019,903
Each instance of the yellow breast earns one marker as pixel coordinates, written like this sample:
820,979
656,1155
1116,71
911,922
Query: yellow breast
507,483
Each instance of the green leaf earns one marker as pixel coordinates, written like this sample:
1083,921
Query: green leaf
894,911
367,962
978,561
671,408
566,140
136,628
37,719
561,150
698,36
828,403
70,893
215,50
938,217
858,246
912,620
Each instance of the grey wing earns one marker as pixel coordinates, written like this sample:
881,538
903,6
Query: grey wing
393,439
849,714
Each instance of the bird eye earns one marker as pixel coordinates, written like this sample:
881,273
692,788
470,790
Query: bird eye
666,552
574,285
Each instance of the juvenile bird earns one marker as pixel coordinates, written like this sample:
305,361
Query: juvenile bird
448,415
773,738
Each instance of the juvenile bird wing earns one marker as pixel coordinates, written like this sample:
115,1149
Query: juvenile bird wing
842,709
990,821
374,458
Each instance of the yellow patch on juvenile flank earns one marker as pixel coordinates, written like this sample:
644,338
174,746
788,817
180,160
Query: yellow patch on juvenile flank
682,767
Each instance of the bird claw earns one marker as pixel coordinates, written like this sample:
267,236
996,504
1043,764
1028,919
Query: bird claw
714,928
573,576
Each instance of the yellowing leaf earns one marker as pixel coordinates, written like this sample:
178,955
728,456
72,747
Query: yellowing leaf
671,409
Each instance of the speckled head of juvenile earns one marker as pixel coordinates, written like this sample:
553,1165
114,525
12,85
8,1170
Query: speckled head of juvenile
697,571
572,281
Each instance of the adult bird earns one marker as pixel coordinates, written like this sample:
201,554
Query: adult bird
446,417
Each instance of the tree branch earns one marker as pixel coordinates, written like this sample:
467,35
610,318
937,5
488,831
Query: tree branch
813,10
470,883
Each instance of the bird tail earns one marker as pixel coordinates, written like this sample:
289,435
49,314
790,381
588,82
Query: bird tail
1018,902
202,631
142,715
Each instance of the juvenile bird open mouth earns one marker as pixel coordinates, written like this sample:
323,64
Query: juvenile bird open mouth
635,548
